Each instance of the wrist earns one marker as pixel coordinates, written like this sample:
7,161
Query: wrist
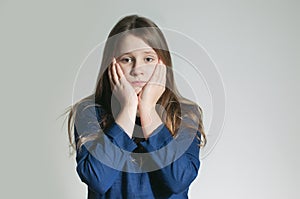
150,120
147,108
130,109
147,113
126,119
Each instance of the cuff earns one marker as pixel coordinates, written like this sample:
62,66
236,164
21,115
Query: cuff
160,137
119,137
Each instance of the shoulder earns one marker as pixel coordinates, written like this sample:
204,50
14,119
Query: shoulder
88,108
190,109
191,114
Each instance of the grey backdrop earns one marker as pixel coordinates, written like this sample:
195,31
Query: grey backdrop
255,45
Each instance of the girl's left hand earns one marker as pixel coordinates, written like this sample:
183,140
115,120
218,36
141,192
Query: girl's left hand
154,88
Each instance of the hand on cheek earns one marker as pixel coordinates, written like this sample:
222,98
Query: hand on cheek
148,98
126,96
155,87
121,88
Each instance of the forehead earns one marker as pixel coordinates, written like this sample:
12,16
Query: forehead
131,43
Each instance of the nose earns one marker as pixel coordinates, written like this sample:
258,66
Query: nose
137,68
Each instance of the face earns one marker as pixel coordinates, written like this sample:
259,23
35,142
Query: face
137,60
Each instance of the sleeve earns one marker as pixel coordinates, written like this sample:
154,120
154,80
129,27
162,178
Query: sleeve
100,161
176,159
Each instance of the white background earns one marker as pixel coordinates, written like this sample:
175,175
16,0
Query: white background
255,45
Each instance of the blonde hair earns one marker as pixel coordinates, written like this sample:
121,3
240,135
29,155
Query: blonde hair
171,100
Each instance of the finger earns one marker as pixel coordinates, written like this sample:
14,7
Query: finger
112,84
110,69
160,61
162,73
109,74
153,78
119,70
158,69
114,72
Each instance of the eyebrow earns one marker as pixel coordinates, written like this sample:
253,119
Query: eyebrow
145,52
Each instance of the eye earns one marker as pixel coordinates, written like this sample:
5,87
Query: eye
126,60
149,59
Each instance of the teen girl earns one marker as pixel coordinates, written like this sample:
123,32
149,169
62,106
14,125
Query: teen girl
136,136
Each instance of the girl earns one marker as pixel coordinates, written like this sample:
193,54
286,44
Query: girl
136,136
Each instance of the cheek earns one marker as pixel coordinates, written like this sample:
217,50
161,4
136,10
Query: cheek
149,71
125,72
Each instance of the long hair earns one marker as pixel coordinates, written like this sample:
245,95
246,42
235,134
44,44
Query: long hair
171,100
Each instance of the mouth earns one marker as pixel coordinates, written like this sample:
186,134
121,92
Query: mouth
138,83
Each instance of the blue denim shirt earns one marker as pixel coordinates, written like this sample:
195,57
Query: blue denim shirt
105,165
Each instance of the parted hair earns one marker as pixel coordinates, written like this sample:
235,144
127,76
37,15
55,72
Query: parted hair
175,106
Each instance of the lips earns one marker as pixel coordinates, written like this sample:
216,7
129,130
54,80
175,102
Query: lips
138,83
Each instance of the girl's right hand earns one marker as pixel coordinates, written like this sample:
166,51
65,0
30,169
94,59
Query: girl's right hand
121,88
